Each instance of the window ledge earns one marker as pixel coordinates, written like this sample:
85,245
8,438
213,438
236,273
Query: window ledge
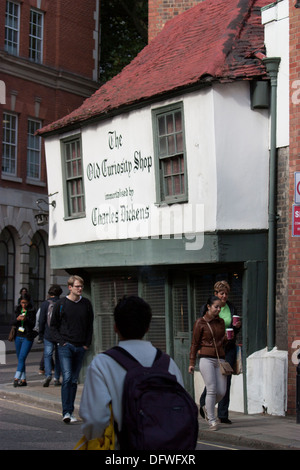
35,182
7,177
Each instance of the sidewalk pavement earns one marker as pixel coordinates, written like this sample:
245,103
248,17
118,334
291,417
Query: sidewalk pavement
259,431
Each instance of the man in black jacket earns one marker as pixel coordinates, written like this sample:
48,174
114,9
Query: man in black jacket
72,329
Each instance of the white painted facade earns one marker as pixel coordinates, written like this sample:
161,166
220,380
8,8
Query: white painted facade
227,164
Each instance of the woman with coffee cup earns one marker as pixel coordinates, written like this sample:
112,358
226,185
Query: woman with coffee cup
24,323
204,344
232,324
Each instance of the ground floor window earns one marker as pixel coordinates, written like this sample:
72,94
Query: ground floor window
7,276
37,269
175,296
175,300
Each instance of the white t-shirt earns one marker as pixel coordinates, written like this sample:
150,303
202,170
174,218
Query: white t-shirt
104,384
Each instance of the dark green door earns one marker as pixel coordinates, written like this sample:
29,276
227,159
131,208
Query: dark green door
182,330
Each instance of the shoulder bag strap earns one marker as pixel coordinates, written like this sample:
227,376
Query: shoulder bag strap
213,339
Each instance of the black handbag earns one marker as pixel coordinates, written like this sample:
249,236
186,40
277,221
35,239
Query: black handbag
12,333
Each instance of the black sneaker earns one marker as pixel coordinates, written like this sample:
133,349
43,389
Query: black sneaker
67,418
225,421
47,381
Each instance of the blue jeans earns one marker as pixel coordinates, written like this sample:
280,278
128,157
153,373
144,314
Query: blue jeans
23,346
70,358
49,347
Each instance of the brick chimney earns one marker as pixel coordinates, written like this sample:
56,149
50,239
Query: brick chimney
160,11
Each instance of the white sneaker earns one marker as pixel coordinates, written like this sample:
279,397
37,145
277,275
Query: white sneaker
73,419
67,418
213,426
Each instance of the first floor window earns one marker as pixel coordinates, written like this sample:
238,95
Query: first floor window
33,150
9,144
169,143
12,20
74,178
36,36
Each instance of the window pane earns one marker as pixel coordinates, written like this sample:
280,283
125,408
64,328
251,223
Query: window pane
171,144
168,166
178,121
179,142
162,146
161,125
170,124
176,164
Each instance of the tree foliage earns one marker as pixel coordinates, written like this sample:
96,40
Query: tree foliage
124,33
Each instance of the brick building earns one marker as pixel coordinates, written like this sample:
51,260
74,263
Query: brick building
48,66
293,246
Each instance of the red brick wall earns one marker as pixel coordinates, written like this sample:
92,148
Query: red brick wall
160,11
67,46
294,242
69,41
68,34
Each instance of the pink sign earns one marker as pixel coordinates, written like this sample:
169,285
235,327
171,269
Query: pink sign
296,221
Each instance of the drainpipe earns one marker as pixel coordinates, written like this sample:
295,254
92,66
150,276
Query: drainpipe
272,66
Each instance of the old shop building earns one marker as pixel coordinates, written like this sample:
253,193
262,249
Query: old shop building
162,180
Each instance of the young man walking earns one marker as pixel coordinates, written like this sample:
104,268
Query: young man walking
104,381
72,329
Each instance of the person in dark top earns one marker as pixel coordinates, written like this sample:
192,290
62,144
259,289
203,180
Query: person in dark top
24,322
72,329
50,346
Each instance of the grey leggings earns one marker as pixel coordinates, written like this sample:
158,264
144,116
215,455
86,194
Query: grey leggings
215,383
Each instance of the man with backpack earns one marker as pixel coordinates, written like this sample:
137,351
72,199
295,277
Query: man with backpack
144,387
50,346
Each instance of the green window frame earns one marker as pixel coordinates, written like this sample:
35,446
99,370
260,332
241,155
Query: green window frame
73,178
170,154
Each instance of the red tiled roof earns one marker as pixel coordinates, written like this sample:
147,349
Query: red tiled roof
214,40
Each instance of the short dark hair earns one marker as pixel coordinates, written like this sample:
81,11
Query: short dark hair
55,290
132,317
